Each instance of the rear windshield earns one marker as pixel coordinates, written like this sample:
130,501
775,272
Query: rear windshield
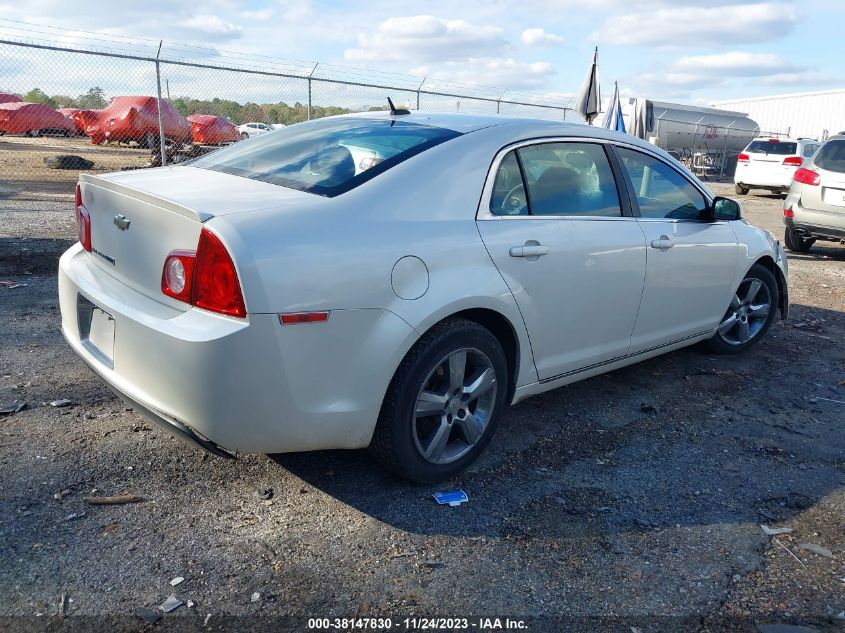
832,156
772,147
327,156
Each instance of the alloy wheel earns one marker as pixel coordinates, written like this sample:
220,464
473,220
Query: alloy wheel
454,406
748,312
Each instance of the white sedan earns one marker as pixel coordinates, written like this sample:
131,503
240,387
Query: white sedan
249,130
280,295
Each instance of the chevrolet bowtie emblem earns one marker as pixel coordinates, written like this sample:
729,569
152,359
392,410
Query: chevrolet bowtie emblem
121,222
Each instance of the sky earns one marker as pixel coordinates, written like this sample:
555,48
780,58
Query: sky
688,51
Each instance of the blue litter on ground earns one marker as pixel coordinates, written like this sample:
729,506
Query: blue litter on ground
451,498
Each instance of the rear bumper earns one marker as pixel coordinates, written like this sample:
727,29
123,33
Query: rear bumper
237,385
815,230
756,179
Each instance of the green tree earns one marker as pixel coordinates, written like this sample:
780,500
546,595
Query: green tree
36,95
94,99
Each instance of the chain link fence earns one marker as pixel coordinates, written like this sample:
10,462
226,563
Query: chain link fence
72,102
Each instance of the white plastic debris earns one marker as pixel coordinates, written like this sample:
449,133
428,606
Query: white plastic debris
255,597
775,531
191,604
64,402
176,581
171,604
817,549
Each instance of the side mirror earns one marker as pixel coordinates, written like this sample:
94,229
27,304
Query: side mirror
725,209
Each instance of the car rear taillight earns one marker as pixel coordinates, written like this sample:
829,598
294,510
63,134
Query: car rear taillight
788,213
216,286
205,278
793,161
807,176
83,221
178,274
743,158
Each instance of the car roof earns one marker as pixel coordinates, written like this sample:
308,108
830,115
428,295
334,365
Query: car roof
786,140
456,121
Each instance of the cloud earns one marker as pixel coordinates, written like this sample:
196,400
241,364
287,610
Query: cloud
735,63
212,25
682,26
426,38
706,72
539,37
490,71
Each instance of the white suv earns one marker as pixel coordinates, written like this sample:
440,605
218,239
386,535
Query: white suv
815,207
770,163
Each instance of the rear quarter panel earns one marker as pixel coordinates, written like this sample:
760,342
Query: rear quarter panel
339,253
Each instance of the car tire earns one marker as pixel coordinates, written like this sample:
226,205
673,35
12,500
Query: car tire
406,434
740,190
750,313
796,243
244,136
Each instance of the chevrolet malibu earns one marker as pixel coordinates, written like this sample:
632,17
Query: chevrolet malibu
278,295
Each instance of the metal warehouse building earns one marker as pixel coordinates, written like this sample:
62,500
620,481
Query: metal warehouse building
809,114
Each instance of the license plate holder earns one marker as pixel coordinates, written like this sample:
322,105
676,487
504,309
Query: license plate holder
96,331
835,197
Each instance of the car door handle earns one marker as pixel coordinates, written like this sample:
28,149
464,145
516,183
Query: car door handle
529,250
663,243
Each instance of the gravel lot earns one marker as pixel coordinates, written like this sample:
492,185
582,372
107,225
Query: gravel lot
588,506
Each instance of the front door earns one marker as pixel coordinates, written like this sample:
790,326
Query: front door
690,263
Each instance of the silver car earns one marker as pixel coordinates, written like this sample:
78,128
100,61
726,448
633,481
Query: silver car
815,207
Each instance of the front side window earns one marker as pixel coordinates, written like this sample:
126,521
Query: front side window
569,179
661,191
326,156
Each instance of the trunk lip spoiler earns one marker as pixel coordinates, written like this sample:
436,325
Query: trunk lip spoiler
156,200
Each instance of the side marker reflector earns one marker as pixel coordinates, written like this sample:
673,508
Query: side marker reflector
292,318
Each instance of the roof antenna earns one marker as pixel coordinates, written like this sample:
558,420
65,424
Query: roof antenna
394,111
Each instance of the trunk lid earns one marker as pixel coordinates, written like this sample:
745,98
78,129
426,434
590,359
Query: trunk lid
139,217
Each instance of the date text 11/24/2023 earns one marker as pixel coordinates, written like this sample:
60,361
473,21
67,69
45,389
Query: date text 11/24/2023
481,624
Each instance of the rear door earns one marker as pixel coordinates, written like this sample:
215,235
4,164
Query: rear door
568,248
691,262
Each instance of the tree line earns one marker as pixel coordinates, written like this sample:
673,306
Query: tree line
237,113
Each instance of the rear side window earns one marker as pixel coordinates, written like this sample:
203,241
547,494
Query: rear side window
832,156
327,156
569,179
809,150
772,146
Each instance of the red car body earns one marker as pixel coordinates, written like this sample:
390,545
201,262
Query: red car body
7,98
209,129
133,119
69,112
20,117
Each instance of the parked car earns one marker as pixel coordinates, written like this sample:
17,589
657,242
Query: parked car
814,209
248,130
134,119
289,300
770,163
33,119
209,129
5,97
69,112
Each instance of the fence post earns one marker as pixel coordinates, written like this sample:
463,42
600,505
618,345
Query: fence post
499,102
311,74
158,103
418,91
725,150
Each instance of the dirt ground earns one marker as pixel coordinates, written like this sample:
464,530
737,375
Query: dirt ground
627,502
